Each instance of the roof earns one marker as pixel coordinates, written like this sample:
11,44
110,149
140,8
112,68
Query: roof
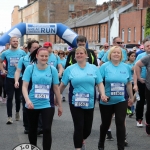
94,18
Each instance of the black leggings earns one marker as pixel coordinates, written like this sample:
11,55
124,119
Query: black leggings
106,116
82,119
2,88
147,114
47,118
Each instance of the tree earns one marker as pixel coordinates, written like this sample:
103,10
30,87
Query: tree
147,26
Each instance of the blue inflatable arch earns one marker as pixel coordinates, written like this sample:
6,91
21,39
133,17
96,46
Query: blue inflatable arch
21,29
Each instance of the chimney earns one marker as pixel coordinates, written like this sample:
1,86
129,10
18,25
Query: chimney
99,8
124,2
91,9
79,13
73,15
84,11
105,6
115,4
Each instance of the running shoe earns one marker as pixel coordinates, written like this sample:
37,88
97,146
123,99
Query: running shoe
109,136
17,116
63,99
139,124
83,146
148,129
9,120
125,143
4,100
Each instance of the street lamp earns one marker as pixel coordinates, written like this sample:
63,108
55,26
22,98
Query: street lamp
109,15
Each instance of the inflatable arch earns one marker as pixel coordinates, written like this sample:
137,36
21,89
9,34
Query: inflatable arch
21,29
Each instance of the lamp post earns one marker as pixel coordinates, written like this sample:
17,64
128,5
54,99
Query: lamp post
48,16
109,14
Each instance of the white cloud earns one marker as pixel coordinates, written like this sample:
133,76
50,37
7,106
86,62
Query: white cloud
101,1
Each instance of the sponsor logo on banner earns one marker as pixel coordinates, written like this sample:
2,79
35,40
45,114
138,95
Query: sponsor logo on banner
42,28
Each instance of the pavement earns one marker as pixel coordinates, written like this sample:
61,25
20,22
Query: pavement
62,132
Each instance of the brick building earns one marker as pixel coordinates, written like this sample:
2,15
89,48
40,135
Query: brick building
52,11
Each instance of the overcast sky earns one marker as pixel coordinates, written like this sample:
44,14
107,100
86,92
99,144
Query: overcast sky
6,8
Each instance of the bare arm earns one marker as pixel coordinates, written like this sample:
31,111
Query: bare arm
2,67
25,95
101,63
138,66
101,90
135,81
62,87
130,93
17,76
60,70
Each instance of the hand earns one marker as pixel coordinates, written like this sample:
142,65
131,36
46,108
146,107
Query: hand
141,80
130,102
59,75
16,84
104,98
135,88
30,105
60,111
4,71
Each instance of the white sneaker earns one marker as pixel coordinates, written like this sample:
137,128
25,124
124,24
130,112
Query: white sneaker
139,124
17,116
9,120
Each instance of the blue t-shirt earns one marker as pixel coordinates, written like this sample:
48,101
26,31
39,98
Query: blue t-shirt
116,78
41,84
143,69
101,54
53,60
124,53
83,81
63,62
24,61
139,52
131,65
12,58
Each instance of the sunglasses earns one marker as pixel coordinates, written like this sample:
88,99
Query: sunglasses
106,46
61,53
119,42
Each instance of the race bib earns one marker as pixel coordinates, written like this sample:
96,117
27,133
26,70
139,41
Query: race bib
51,63
13,61
42,91
82,99
117,89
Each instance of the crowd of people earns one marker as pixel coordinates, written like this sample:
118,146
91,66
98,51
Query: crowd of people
115,77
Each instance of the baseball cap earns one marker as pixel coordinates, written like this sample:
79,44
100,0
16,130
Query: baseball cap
142,47
47,44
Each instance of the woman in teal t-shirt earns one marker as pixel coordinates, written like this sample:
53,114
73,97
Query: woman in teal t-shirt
83,77
117,77
38,80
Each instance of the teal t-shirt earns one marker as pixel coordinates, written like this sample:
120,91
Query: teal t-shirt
53,60
41,84
83,81
24,61
143,69
116,78
124,53
131,65
101,54
63,62
12,57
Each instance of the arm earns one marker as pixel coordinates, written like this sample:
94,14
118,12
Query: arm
135,87
25,94
101,90
60,70
17,76
129,91
101,63
138,66
62,87
57,94
2,67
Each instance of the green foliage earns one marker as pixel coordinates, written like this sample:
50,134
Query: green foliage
147,26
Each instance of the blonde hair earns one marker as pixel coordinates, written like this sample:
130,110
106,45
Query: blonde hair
111,51
81,48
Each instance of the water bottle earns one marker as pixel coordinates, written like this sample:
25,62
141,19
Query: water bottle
137,96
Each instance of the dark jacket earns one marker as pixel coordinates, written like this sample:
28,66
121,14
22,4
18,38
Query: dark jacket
71,58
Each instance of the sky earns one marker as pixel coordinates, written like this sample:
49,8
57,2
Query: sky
6,8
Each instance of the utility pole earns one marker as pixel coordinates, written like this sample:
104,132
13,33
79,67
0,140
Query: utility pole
48,16
109,14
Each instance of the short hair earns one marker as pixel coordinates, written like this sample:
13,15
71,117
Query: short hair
31,42
81,38
13,38
81,47
111,51
145,40
114,39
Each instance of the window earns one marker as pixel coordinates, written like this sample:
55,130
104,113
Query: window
134,34
71,7
122,35
129,34
104,32
143,30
